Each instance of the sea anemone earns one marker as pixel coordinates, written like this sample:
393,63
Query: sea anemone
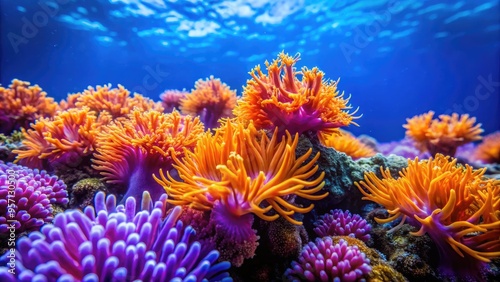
442,135
325,261
489,150
171,99
131,149
117,102
238,171
343,223
455,205
69,138
281,99
27,197
21,104
211,100
114,243
347,143
243,169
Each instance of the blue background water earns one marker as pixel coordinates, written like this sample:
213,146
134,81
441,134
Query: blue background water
396,58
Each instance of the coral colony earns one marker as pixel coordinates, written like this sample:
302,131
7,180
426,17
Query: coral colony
205,185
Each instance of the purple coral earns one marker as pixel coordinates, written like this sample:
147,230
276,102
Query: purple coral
115,243
27,196
326,261
343,223
405,148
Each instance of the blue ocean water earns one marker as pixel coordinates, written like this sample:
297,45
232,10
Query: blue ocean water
396,58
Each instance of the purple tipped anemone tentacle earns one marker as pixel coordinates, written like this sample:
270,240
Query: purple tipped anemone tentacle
27,197
115,243
324,260
343,223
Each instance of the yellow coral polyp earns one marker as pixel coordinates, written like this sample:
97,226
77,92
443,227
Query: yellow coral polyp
456,205
246,171
347,143
442,135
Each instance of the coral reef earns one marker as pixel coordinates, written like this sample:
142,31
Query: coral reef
27,198
171,99
341,172
347,143
68,139
82,192
9,143
489,150
131,149
342,223
442,135
280,99
211,100
325,260
455,205
22,104
118,243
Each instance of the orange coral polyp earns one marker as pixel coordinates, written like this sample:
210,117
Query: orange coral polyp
69,136
442,135
346,142
22,104
116,102
143,137
246,171
211,100
291,104
456,205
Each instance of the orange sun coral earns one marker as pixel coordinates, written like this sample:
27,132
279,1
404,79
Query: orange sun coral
442,135
243,169
489,150
67,139
21,104
211,100
131,149
347,143
281,99
115,101
455,205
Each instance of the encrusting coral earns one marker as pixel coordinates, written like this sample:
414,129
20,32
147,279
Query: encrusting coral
455,205
130,242
442,135
69,138
489,150
131,149
211,100
280,99
22,104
